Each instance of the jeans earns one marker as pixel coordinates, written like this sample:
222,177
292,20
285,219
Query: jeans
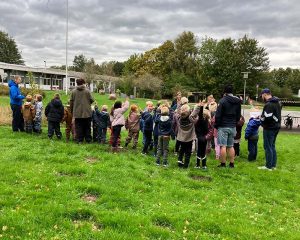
252,149
101,135
270,136
17,121
148,139
163,149
116,134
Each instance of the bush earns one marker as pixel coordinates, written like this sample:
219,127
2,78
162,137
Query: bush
4,91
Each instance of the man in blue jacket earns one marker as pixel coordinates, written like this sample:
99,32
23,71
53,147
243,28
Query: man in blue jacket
16,104
271,122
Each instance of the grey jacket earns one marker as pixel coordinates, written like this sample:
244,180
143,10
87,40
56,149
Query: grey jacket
80,102
185,125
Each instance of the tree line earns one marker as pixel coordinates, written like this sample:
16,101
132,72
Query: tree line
187,64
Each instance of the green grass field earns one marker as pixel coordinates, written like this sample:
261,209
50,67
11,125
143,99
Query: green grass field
55,190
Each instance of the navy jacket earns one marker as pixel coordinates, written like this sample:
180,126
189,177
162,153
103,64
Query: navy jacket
271,115
164,126
102,119
251,131
147,121
228,112
15,94
55,111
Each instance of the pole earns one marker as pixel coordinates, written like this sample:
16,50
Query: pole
256,92
67,29
244,96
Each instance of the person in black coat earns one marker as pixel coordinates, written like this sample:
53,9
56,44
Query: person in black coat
54,113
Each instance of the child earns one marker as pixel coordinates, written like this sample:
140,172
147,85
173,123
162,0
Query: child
102,124
155,130
201,128
132,124
37,123
237,138
185,123
183,101
215,134
147,117
164,122
251,134
117,122
28,114
54,113
94,123
68,118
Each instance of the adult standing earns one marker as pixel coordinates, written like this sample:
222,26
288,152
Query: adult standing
176,102
80,105
271,122
227,115
16,104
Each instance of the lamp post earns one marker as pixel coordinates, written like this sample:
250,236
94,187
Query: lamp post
45,63
67,29
245,76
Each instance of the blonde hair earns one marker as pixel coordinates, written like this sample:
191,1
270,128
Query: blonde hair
149,103
164,110
185,108
213,107
104,108
56,96
184,100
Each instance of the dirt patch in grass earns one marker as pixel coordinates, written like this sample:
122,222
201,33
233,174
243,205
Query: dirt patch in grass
91,159
202,178
89,198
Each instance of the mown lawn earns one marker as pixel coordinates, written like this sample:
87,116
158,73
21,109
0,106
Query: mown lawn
54,190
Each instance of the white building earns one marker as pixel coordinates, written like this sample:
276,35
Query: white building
51,79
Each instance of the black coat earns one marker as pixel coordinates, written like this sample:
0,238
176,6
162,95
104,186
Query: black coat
271,115
228,112
201,127
54,111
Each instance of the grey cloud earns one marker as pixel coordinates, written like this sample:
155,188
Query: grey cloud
113,30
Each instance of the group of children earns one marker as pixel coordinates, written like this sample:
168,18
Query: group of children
32,113
191,128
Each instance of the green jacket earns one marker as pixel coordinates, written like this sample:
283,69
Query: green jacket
80,102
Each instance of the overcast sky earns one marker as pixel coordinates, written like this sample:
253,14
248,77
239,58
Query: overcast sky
114,29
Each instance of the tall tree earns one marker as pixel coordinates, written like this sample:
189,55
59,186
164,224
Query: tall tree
9,52
79,63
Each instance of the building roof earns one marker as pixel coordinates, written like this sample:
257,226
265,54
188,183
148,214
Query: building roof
24,68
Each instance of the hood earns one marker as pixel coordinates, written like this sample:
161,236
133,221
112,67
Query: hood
273,99
184,114
233,99
27,105
56,102
164,118
80,88
12,83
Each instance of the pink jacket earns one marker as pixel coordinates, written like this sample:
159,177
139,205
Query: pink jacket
118,118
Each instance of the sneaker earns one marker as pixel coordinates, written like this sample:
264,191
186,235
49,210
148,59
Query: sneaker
197,167
264,168
231,165
274,168
143,153
165,165
204,167
180,162
175,153
157,164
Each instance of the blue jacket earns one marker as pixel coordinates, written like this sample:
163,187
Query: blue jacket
252,128
15,94
147,121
